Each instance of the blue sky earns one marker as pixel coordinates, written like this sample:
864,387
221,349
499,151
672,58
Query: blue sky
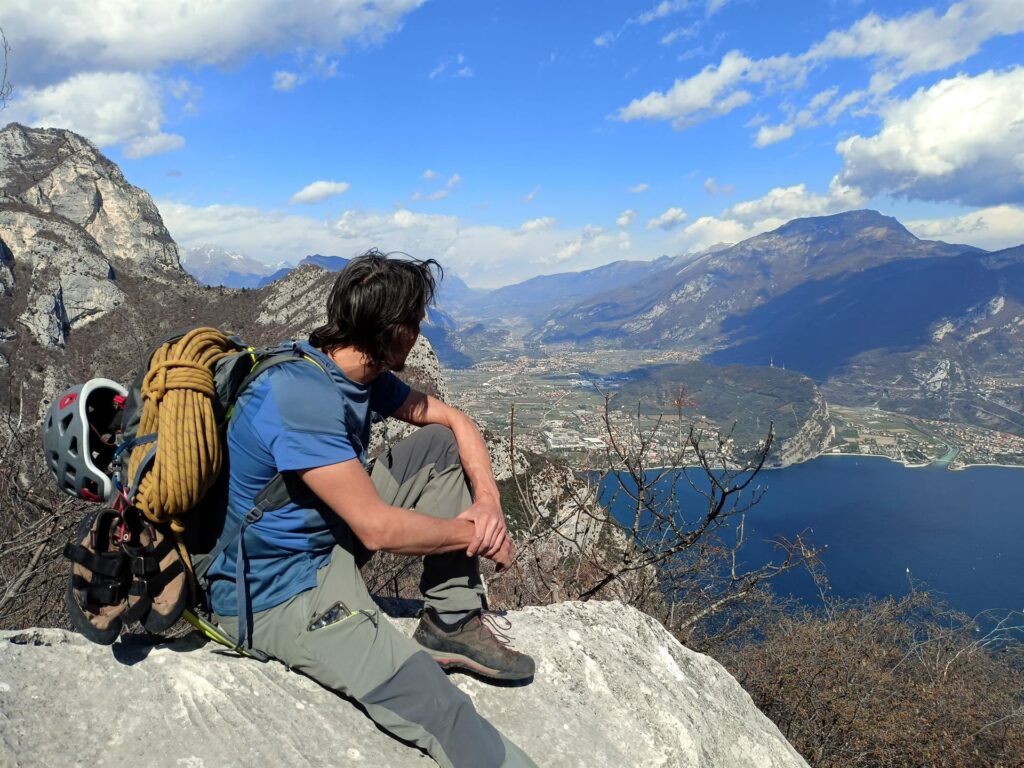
509,139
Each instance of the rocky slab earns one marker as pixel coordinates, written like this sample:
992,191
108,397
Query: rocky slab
612,688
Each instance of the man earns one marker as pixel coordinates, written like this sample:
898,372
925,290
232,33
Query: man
309,605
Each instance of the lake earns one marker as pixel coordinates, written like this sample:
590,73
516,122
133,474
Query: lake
959,532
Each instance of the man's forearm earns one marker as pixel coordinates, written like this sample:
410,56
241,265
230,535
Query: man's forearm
476,461
407,532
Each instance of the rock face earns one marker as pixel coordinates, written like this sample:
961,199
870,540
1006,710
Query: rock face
613,688
59,172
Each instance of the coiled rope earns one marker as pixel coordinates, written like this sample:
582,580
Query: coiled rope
178,394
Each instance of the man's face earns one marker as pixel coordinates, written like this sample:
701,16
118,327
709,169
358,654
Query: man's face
406,340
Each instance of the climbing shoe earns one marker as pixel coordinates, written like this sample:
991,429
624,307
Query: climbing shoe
100,577
159,591
476,643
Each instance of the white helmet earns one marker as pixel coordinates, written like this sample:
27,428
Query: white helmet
78,438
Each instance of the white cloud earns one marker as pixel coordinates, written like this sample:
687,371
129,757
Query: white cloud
136,37
993,228
107,108
284,81
712,187
669,219
961,139
770,211
770,134
530,196
457,66
603,41
438,194
781,204
626,218
714,6
68,63
429,175
638,188
486,256
319,191
697,98
154,144
923,41
537,225
896,48
681,33
661,10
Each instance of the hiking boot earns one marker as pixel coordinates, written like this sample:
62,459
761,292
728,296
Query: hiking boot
475,643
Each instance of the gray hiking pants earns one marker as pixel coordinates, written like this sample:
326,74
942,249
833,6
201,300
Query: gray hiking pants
360,654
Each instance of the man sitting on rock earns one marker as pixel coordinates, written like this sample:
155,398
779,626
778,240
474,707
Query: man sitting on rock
308,604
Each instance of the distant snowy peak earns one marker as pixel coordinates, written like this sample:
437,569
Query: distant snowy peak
214,265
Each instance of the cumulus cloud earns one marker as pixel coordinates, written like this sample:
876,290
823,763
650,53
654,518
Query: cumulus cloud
108,108
626,218
923,41
67,39
694,99
153,144
319,191
768,212
486,256
537,225
771,134
896,49
670,219
960,139
68,64
638,188
993,228
429,175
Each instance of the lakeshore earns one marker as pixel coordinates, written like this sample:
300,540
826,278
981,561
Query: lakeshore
885,527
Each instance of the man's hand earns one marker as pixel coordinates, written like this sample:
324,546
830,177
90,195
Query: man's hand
490,533
503,559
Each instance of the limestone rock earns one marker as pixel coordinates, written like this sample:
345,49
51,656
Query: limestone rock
57,171
612,688
69,280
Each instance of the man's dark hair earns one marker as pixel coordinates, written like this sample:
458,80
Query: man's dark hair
376,306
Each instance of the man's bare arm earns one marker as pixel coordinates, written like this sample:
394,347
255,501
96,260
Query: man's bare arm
348,490
421,409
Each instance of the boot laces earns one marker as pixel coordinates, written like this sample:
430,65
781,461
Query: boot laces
497,625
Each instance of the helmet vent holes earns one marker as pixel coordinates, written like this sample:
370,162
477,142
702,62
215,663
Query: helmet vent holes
73,446
66,422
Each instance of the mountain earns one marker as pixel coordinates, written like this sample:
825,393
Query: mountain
90,276
534,299
214,265
686,305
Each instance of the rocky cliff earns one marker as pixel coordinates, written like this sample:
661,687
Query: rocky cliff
612,688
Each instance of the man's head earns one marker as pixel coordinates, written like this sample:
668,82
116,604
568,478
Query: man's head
376,307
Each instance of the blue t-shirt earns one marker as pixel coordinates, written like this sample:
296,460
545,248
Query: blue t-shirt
292,417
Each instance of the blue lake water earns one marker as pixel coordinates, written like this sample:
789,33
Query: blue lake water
960,532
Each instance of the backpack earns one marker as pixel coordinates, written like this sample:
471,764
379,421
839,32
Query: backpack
154,453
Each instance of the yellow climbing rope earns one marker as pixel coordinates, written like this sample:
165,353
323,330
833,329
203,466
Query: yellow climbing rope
177,394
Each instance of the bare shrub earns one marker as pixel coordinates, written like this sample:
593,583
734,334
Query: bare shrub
889,682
